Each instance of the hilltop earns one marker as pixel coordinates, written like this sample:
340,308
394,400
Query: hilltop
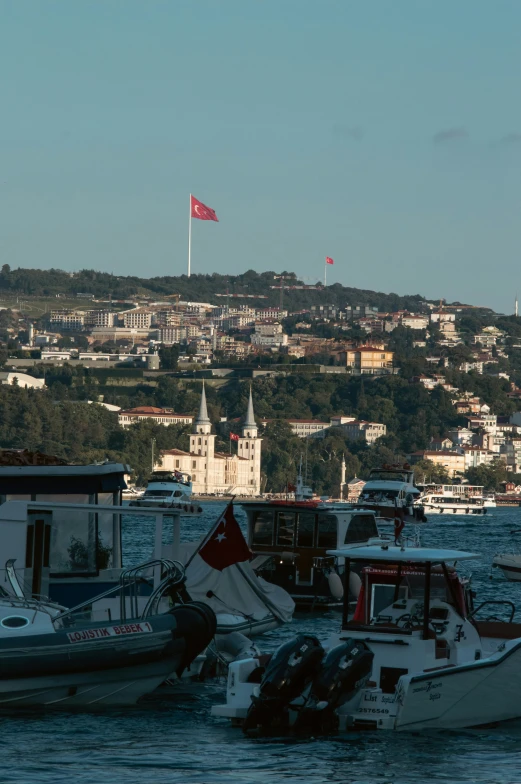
48,283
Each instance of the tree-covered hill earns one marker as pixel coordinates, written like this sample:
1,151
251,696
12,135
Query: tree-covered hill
44,283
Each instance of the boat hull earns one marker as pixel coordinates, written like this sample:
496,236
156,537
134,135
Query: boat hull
510,565
93,665
471,695
106,688
455,510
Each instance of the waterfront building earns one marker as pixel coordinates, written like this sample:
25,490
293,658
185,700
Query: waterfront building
219,472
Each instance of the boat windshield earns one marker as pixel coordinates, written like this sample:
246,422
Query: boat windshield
387,475
380,495
157,493
383,587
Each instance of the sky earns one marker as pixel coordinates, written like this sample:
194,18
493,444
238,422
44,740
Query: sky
383,133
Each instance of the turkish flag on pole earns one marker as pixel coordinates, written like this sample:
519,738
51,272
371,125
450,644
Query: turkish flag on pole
329,260
201,211
226,544
234,437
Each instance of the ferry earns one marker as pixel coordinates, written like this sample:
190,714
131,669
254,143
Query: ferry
456,500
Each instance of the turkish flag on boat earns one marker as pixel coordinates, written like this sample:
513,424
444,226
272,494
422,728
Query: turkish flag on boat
201,211
234,437
329,260
226,544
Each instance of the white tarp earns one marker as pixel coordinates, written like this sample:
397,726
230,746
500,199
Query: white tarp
235,590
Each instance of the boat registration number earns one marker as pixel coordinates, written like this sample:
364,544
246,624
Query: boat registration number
110,631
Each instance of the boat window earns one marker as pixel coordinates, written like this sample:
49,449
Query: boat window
327,531
361,528
382,596
14,622
306,529
286,529
157,493
263,524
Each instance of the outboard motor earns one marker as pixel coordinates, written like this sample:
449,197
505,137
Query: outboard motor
289,671
344,671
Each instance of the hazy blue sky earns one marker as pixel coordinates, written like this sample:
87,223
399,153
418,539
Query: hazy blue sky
384,133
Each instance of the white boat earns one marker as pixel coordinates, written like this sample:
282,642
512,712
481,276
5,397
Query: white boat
390,489
413,656
169,489
456,500
50,657
510,563
75,554
132,493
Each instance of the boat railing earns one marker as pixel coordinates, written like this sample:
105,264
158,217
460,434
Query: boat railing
170,574
505,602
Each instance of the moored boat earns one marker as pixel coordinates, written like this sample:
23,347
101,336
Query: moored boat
391,491
50,657
290,540
412,656
510,562
169,489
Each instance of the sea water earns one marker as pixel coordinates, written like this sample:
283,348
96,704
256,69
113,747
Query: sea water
179,741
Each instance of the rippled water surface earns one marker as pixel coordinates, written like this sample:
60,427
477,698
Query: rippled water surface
178,741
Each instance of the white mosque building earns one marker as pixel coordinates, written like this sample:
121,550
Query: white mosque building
219,472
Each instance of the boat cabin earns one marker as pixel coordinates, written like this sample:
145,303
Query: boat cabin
397,585
70,552
291,539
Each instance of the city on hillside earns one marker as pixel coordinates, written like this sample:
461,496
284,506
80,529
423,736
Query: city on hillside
143,357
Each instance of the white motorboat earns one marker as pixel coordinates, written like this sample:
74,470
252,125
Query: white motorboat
390,491
75,555
510,562
413,656
456,500
50,657
169,489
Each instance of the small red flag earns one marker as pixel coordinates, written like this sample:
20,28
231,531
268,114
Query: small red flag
234,437
329,260
226,544
201,211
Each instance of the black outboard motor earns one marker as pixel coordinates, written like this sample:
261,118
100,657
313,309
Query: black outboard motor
344,671
291,668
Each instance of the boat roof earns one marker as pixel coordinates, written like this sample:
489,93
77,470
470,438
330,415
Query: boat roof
396,554
313,504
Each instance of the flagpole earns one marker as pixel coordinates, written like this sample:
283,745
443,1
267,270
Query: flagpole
189,234
325,273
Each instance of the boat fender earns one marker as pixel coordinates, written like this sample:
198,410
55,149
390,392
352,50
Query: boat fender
355,583
484,511
185,508
335,585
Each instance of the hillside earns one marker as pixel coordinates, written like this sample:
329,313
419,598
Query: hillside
45,283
